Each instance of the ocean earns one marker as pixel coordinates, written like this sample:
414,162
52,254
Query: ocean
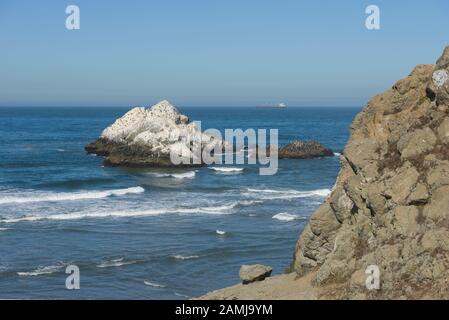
150,233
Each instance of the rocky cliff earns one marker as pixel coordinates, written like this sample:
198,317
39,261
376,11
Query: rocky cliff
389,207
390,204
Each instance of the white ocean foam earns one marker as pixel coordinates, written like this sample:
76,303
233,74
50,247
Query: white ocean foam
181,295
4,229
184,175
337,154
270,194
224,209
153,284
246,203
84,215
65,196
284,216
115,263
181,257
220,232
227,169
61,150
42,271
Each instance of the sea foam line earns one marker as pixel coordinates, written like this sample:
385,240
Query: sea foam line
115,263
65,196
181,257
184,175
153,284
226,169
270,194
223,209
284,216
42,271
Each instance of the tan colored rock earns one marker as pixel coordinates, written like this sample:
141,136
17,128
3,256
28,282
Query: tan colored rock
435,239
416,143
406,220
419,195
390,206
443,131
438,174
253,273
438,208
401,185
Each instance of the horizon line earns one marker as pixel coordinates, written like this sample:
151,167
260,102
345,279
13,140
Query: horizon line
183,106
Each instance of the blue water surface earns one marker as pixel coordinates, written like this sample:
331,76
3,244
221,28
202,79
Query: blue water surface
150,233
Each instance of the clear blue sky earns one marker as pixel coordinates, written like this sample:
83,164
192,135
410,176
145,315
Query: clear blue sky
212,52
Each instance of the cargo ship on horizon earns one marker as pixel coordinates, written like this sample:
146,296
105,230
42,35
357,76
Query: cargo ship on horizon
275,106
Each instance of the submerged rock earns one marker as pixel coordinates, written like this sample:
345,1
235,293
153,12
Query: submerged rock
303,150
146,137
253,273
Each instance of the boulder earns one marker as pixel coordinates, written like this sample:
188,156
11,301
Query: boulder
145,137
253,273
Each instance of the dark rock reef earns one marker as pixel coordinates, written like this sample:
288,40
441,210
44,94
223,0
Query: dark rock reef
304,150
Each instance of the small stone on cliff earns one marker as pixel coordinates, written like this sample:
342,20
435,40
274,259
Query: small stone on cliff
253,273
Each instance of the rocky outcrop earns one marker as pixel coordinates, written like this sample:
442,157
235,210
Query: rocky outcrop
304,150
390,204
253,273
146,137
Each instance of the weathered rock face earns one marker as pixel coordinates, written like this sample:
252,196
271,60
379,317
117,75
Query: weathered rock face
253,273
303,150
146,137
390,204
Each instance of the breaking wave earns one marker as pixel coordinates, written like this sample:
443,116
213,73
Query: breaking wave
283,216
226,169
153,284
220,209
42,271
115,263
66,196
270,194
184,175
181,257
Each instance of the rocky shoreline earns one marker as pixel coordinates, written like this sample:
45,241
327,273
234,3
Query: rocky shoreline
389,208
